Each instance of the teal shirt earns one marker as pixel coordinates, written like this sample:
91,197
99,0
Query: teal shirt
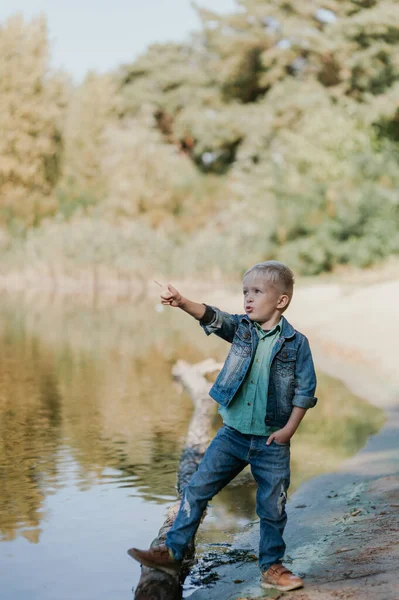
247,411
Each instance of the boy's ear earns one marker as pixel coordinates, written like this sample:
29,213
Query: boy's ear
283,301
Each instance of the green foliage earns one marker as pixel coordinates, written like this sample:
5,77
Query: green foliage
272,133
92,108
32,111
69,204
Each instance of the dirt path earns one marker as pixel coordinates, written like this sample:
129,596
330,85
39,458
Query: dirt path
362,556
343,530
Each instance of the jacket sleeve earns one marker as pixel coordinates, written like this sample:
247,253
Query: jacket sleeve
222,324
305,377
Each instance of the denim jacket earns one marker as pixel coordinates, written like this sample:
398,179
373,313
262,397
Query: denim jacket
292,380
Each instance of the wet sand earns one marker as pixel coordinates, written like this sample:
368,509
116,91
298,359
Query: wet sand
343,529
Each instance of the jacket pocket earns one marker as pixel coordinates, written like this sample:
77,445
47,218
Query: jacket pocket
242,342
285,363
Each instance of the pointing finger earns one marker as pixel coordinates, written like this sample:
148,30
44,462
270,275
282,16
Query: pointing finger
173,290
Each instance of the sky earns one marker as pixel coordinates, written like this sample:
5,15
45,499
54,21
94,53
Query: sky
102,34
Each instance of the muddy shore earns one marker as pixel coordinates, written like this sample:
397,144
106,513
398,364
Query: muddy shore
343,529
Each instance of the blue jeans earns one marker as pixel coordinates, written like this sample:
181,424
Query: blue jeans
229,452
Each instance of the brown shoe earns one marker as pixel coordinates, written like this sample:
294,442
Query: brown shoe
277,576
157,557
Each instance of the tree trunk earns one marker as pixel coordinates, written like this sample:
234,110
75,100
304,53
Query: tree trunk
153,584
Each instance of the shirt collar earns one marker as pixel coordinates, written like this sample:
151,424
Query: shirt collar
262,333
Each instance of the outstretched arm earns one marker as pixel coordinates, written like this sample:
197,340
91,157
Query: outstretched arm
171,297
211,319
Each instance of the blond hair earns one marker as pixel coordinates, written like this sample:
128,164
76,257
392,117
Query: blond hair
277,273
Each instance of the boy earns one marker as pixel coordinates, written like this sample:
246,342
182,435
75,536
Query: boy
264,389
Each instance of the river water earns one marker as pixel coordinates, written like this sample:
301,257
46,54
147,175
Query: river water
91,430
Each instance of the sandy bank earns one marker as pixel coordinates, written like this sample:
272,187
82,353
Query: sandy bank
343,530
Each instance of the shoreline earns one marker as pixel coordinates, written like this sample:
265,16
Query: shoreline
343,526
352,344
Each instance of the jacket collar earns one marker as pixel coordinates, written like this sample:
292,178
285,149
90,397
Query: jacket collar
287,330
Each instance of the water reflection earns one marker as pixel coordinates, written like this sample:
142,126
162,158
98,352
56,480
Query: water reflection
29,430
87,406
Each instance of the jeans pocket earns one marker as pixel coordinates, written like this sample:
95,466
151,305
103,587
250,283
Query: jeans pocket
283,444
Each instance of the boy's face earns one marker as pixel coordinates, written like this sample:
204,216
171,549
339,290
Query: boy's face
262,299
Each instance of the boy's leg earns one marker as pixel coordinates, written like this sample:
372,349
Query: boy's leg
223,460
271,470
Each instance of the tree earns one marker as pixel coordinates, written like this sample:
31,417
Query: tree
93,107
32,106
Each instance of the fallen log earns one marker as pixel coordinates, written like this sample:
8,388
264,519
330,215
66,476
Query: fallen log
153,584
